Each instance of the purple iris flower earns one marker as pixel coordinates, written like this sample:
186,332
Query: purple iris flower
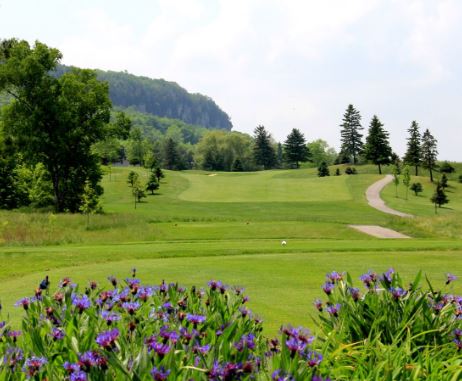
369,279
78,375
57,334
110,317
13,357
280,375
160,374
24,303
131,307
71,367
397,292
107,339
334,309
388,275
328,287
82,302
313,358
33,365
195,319
295,345
355,293
450,278
334,276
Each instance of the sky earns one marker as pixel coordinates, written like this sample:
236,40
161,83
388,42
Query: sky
281,63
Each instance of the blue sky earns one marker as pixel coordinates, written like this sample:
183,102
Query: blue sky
283,64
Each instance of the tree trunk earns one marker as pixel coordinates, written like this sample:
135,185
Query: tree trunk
417,170
431,174
380,169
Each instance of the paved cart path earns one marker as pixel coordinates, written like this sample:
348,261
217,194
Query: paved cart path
374,200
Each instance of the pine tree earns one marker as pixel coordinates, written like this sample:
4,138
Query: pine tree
323,170
159,174
295,149
444,181
152,183
280,156
377,147
429,152
439,197
171,156
413,154
263,151
417,188
352,145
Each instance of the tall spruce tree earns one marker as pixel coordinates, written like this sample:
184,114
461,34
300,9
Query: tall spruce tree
295,149
352,145
263,151
429,152
377,148
413,154
171,156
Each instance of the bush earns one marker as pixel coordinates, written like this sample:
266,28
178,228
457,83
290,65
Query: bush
417,188
445,167
460,179
350,171
323,170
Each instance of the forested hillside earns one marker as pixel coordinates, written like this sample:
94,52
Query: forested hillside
162,98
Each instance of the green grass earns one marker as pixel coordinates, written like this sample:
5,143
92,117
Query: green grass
229,227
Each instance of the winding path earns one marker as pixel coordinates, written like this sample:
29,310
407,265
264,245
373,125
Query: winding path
374,200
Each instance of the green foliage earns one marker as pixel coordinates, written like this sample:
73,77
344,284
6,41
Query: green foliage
391,330
263,151
396,179
54,121
90,202
337,172
460,178
350,171
377,148
416,188
132,178
237,166
444,181
34,181
137,147
352,145
320,151
429,152
446,167
406,178
138,191
413,155
295,149
171,155
439,197
323,170
153,183
159,174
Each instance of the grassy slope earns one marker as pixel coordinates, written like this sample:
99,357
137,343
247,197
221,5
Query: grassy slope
171,237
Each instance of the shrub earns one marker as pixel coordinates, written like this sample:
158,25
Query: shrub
350,171
446,167
417,188
460,179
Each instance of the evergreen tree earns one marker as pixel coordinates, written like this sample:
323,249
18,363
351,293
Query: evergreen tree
152,183
439,197
352,145
295,149
444,181
159,174
280,155
263,151
323,170
132,178
446,167
429,152
377,148
171,156
417,188
337,172
413,154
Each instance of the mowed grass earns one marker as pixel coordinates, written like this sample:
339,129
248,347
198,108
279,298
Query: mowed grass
228,227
